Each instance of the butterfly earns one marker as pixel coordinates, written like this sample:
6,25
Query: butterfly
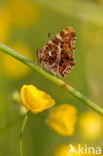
57,54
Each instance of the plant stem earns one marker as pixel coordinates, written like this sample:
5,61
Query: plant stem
57,81
21,133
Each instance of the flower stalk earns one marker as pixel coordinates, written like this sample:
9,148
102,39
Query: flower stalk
54,79
21,133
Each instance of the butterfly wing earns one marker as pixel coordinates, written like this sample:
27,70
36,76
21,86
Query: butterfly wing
68,37
57,54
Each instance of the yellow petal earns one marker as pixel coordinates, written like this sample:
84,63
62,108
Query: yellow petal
60,119
34,99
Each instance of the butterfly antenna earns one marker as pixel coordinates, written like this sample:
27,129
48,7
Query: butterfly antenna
49,35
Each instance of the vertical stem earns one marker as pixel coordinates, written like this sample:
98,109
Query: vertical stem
21,133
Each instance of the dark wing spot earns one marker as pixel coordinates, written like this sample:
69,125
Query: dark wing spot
55,40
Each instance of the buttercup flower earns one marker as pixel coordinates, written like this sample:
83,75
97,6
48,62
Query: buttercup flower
62,119
34,99
91,126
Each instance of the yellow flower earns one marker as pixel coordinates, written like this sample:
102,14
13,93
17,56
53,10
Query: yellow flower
23,12
35,100
62,119
91,126
14,68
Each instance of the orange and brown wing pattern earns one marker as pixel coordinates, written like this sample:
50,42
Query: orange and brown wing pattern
57,54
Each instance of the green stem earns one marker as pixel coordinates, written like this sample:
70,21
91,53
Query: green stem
57,81
21,133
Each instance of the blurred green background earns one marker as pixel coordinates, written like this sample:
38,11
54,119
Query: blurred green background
24,26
